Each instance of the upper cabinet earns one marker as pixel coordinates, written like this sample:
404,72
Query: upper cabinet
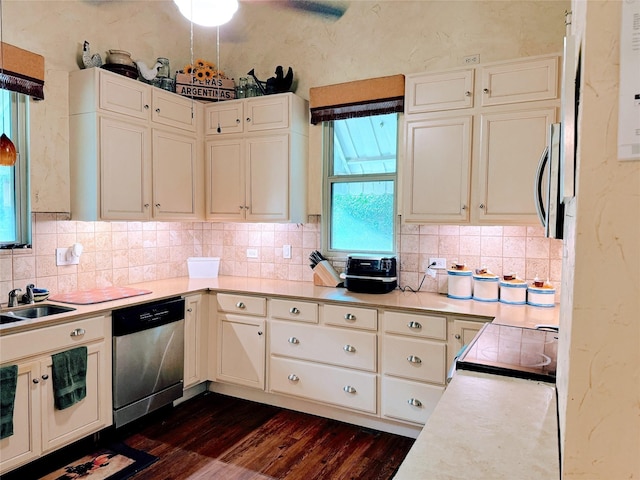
256,159
134,150
472,161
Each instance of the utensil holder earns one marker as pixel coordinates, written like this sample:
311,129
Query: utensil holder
324,275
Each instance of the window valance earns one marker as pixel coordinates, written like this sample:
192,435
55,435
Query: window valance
360,98
21,71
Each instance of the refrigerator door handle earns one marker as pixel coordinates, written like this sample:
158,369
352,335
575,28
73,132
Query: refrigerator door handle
542,163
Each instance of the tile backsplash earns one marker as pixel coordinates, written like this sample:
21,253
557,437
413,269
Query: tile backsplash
121,253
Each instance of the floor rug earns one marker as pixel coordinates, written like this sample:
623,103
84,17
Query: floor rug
117,462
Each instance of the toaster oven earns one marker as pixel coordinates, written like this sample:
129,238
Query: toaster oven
371,274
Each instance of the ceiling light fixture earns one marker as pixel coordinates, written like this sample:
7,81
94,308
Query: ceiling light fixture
208,13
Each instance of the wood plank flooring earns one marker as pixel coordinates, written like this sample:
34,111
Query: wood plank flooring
218,437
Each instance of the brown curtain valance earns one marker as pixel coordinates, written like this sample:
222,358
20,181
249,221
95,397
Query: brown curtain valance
21,71
373,96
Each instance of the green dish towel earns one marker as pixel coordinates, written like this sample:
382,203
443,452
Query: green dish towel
8,384
69,377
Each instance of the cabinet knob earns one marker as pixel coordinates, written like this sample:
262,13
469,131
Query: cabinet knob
414,402
248,119
157,110
78,332
45,377
189,310
349,389
293,340
146,205
349,348
457,336
413,359
35,380
157,205
240,305
146,107
293,377
259,333
464,207
237,120
467,93
414,325
349,316
482,205
294,311
485,90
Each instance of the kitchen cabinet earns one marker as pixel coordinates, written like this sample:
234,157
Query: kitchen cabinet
256,159
240,341
475,162
413,364
461,332
39,428
195,335
135,153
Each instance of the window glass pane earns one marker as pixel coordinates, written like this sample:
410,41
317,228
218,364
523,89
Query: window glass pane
365,145
362,216
8,225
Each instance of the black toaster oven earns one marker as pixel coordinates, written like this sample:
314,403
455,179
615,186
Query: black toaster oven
371,274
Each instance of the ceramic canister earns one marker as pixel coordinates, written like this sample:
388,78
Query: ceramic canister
485,287
513,291
544,296
459,284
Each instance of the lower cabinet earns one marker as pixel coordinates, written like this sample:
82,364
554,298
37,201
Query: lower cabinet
195,336
39,428
461,332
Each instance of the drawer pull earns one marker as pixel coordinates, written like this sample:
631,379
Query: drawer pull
413,359
293,377
78,332
294,311
349,316
349,389
294,340
414,402
241,305
349,348
45,377
415,325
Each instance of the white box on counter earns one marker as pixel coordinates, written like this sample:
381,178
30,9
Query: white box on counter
203,267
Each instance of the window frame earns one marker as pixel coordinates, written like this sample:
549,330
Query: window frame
328,179
20,137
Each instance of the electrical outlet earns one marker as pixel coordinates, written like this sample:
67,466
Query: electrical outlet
252,253
471,59
62,257
286,251
440,263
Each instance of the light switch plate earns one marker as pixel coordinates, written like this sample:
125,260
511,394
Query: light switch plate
252,253
61,257
286,251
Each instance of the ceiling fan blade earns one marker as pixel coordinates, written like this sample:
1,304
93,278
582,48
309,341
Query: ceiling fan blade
328,9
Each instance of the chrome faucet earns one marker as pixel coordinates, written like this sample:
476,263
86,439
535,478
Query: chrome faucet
28,296
13,297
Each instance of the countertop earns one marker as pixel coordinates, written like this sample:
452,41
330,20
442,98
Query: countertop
519,315
488,427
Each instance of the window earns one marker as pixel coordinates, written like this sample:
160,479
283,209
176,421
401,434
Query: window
15,222
360,184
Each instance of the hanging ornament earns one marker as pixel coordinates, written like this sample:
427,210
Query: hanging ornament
8,153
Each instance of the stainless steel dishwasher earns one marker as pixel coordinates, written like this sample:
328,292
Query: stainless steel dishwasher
148,358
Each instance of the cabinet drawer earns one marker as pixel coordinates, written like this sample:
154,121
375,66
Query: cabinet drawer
422,360
346,348
53,338
407,400
520,81
242,304
322,383
294,310
347,316
429,326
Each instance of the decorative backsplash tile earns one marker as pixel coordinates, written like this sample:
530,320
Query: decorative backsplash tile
121,253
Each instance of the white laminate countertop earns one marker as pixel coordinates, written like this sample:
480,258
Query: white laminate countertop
518,315
488,427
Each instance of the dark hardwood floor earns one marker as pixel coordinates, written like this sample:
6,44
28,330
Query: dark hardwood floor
218,437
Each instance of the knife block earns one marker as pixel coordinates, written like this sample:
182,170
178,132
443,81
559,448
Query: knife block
325,276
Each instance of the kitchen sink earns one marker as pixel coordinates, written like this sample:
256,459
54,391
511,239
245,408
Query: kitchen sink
34,311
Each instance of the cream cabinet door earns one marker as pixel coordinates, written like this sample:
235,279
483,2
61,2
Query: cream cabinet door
461,332
430,92
125,170
241,350
223,118
225,180
267,112
267,178
510,147
25,443
175,176
173,110
61,427
119,94
436,177
194,333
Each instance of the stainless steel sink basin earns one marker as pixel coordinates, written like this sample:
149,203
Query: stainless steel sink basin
32,311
